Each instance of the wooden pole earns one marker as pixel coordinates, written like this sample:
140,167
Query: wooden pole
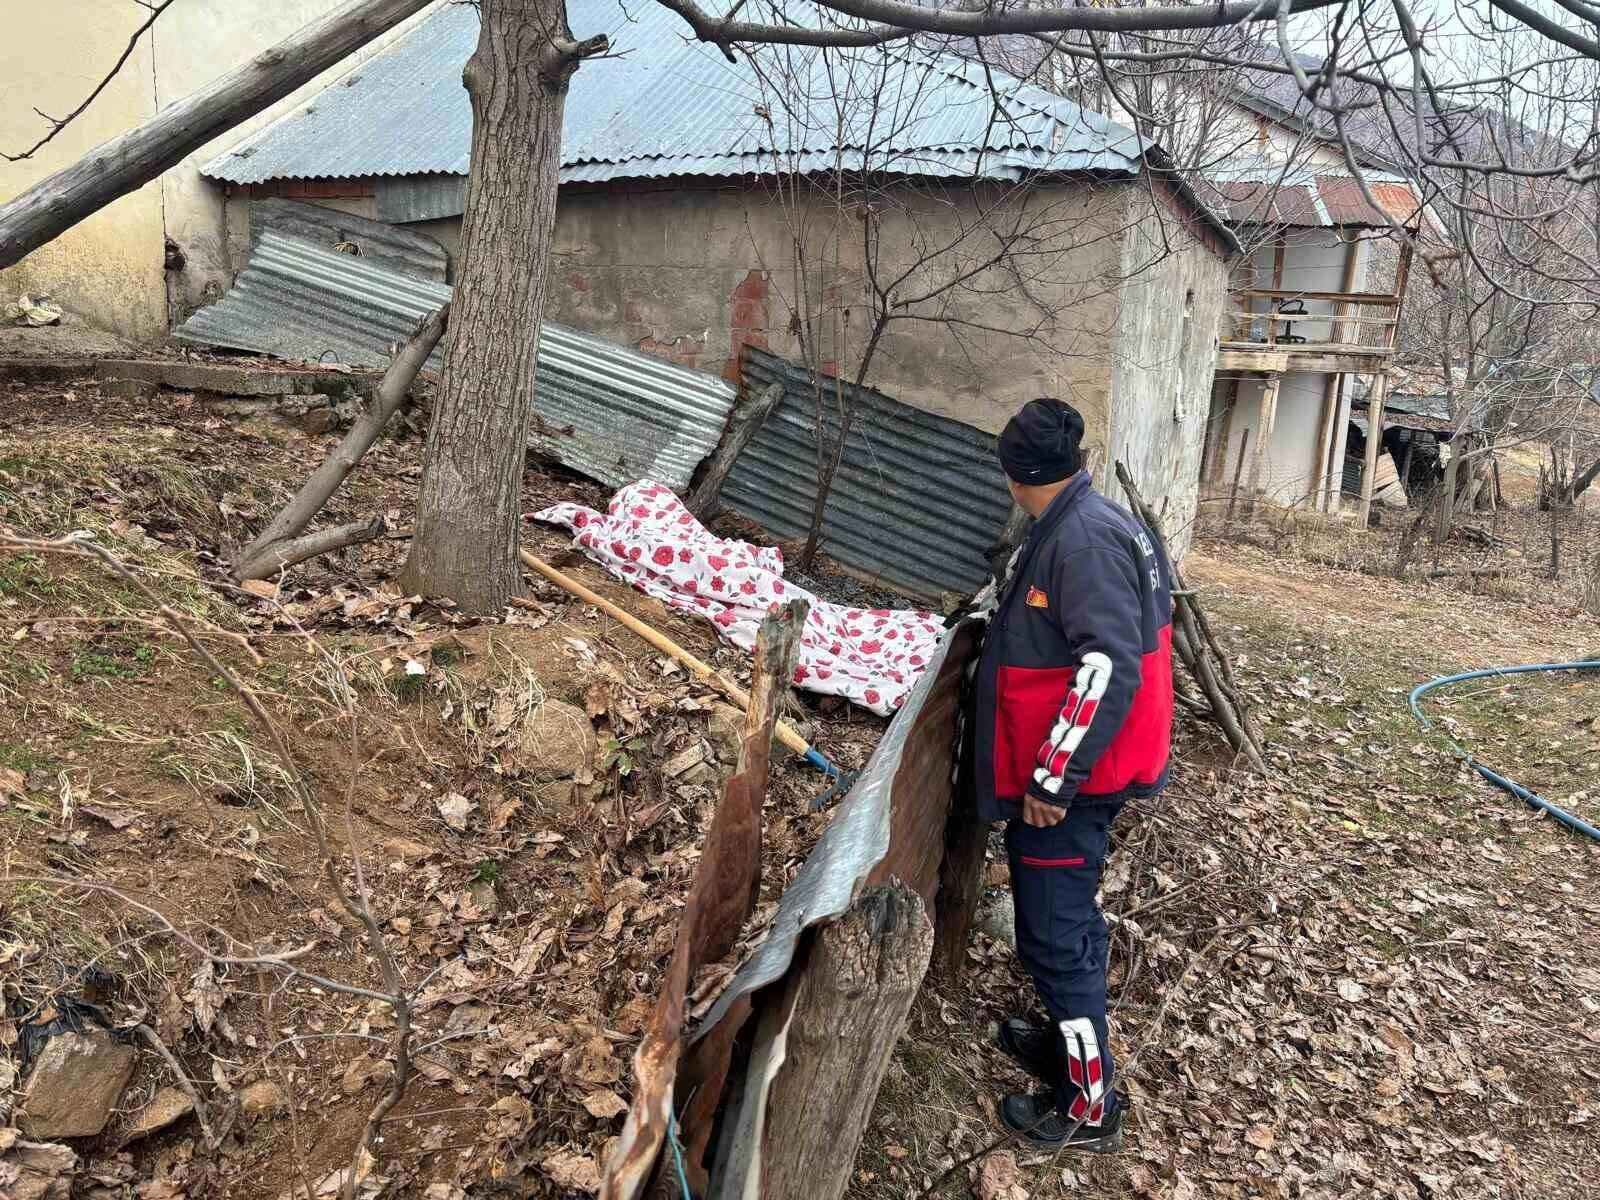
748,417
1219,457
786,733
1333,481
1260,480
1238,473
1280,250
1018,522
1326,428
1369,469
852,1000
58,202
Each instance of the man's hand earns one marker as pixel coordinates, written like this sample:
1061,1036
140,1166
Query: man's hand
1041,814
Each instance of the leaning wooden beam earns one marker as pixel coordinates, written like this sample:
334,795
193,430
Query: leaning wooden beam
264,556
1197,646
126,163
852,1000
748,417
1018,522
1261,466
291,550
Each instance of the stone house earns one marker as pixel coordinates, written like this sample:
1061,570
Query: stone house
706,206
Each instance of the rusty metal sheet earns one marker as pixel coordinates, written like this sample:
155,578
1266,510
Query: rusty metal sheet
891,823
723,896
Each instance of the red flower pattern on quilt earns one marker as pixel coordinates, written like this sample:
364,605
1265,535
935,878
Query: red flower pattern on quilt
649,540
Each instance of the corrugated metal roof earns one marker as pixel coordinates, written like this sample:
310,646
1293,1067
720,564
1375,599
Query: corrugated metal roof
671,106
917,500
613,413
1259,192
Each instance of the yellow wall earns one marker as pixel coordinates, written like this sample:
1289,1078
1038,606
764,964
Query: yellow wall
109,269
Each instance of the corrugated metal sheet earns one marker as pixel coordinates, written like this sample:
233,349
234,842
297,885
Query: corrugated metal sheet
384,245
917,499
1304,195
672,106
296,299
420,197
613,413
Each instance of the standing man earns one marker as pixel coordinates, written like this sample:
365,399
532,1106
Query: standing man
1072,716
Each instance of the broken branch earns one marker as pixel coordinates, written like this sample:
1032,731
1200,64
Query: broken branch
277,556
272,550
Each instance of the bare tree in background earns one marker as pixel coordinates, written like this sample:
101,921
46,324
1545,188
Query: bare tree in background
883,237
1373,69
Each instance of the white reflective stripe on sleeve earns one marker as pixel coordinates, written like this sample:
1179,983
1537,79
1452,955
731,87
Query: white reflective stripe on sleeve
1073,722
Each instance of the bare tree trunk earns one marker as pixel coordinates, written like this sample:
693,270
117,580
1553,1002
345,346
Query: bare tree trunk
855,993
465,541
56,204
1447,500
262,557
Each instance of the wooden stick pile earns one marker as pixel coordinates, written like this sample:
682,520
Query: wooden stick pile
1198,648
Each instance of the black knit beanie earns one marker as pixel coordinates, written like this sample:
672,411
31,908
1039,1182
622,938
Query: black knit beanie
1040,445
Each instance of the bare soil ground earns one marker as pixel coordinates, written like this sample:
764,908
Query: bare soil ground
533,910
1365,976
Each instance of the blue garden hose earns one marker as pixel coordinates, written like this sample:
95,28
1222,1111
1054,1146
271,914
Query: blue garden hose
1493,776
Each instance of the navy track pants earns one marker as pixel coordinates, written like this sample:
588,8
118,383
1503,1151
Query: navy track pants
1062,938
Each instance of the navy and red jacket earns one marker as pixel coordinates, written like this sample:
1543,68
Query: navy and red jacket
1072,697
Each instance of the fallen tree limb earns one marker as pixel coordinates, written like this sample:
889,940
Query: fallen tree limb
126,163
280,555
748,417
271,551
201,1113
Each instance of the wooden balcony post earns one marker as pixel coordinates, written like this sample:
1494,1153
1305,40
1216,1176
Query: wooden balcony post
1369,470
1268,415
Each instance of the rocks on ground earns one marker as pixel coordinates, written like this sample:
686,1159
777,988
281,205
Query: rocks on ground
35,1170
166,1108
262,1099
75,1084
725,728
558,742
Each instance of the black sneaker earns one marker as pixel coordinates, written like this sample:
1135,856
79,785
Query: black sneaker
1037,1119
1035,1047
